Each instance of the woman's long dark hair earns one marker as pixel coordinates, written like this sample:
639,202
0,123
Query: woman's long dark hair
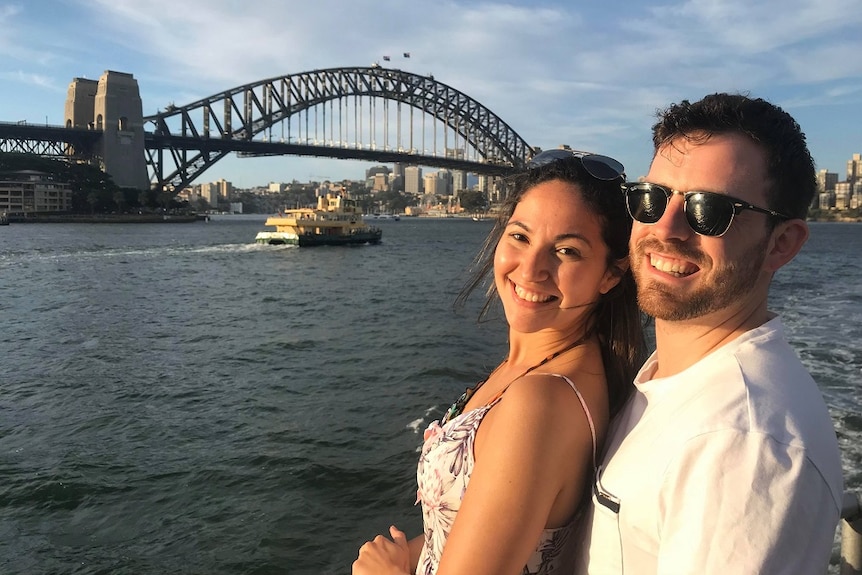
616,317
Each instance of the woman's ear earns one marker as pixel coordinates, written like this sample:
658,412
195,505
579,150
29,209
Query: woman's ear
787,239
613,275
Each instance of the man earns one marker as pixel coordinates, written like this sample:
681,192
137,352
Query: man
725,459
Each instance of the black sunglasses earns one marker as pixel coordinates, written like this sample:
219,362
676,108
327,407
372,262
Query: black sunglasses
707,213
599,167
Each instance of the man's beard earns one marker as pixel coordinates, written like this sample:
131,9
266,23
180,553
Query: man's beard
725,287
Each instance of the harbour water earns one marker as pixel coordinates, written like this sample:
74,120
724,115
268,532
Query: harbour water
178,399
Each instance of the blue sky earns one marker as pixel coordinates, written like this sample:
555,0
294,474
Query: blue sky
587,73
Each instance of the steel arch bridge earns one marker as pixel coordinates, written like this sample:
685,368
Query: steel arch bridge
366,113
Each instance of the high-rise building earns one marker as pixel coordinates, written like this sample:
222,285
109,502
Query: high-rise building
444,182
826,180
396,178
854,168
413,180
492,187
459,182
210,192
843,195
827,200
225,189
433,183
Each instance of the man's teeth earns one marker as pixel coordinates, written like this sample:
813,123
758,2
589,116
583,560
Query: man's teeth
531,297
673,267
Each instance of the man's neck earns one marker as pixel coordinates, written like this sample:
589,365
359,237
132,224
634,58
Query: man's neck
681,344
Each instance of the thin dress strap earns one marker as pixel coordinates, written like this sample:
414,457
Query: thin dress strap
580,398
586,412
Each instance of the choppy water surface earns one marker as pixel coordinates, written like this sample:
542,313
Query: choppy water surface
177,399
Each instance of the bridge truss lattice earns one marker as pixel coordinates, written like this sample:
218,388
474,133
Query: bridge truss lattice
367,113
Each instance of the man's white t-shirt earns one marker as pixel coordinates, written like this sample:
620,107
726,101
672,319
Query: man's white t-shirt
731,466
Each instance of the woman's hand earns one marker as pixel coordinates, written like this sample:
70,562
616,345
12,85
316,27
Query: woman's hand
384,557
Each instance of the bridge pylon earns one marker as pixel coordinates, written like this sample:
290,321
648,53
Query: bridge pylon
112,105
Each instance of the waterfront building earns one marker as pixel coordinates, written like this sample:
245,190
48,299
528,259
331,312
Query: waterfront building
225,189
826,180
33,192
854,178
826,200
843,195
190,194
210,192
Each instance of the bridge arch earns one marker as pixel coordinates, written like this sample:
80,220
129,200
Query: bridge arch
187,140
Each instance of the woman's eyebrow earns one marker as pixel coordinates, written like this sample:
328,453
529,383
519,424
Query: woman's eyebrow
567,236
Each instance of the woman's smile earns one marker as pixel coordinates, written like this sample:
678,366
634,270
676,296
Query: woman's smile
531,296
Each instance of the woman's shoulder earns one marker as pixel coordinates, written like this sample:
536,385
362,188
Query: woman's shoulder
541,421
555,400
549,388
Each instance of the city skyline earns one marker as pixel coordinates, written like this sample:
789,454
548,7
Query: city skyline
588,76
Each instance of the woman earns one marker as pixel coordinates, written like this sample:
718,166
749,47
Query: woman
504,476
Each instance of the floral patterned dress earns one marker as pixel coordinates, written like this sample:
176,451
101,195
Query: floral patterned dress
443,473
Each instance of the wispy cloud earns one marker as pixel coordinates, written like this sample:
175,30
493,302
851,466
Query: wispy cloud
31,79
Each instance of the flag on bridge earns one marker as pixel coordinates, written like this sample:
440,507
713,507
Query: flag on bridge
406,54
386,58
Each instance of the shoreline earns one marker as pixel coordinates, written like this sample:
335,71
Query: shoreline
107,219
836,220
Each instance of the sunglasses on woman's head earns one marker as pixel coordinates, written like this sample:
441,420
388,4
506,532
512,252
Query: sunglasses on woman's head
707,213
598,166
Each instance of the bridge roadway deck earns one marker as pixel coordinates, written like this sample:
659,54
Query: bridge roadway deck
254,148
86,139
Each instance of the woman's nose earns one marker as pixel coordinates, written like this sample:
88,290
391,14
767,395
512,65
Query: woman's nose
534,264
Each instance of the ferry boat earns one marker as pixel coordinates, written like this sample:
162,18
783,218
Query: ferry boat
336,221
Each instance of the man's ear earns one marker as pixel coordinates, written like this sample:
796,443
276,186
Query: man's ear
787,239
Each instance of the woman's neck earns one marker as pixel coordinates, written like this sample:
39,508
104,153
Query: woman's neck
526,350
